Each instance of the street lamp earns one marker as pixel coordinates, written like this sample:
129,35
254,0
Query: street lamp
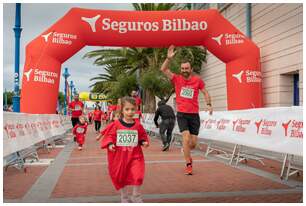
65,75
71,90
17,30
75,92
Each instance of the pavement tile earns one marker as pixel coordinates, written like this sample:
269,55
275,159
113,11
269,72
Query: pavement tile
281,198
16,183
86,175
44,154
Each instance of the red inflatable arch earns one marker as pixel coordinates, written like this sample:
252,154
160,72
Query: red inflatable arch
81,27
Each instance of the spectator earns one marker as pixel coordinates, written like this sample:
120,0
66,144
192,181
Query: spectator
166,126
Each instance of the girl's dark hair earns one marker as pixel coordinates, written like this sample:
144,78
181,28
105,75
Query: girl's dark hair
128,99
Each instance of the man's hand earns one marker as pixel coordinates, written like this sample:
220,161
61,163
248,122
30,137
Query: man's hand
208,101
209,109
171,52
165,66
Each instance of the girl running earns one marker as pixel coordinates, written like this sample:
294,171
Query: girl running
125,157
79,131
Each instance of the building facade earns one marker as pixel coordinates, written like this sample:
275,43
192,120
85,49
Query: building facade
277,29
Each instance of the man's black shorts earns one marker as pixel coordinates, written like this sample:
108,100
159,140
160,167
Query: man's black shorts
190,122
74,121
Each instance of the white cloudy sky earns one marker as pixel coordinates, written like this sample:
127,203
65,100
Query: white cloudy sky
35,18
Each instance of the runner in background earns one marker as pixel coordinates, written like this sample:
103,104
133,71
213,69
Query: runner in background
97,117
104,118
90,115
110,109
116,116
79,130
76,109
187,87
123,141
137,99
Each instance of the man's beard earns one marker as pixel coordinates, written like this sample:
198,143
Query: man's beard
186,74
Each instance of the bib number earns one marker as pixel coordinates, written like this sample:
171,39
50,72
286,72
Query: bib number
77,108
127,138
80,130
187,93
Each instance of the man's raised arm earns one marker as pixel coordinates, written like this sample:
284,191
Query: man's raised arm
165,66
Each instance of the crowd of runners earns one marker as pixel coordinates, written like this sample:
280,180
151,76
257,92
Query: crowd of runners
123,136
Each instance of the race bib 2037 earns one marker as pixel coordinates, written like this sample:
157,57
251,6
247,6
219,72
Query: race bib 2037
127,138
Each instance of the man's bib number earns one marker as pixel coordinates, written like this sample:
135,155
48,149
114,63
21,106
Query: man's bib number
77,107
127,138
187,92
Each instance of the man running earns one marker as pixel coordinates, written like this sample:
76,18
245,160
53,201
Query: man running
76,108
187,87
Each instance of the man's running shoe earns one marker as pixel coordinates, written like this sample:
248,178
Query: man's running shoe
188,170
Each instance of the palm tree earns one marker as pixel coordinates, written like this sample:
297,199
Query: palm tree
116,62
153,6
121,64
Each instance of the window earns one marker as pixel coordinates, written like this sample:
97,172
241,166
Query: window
296,93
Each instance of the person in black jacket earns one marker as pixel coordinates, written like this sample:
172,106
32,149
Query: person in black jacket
168,120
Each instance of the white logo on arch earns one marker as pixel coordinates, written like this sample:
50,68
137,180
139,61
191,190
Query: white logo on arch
238,76
27,74
91,21
46,36
218,39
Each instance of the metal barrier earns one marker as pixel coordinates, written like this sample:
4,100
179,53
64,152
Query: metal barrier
18,159
235,153
15,160
295,166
